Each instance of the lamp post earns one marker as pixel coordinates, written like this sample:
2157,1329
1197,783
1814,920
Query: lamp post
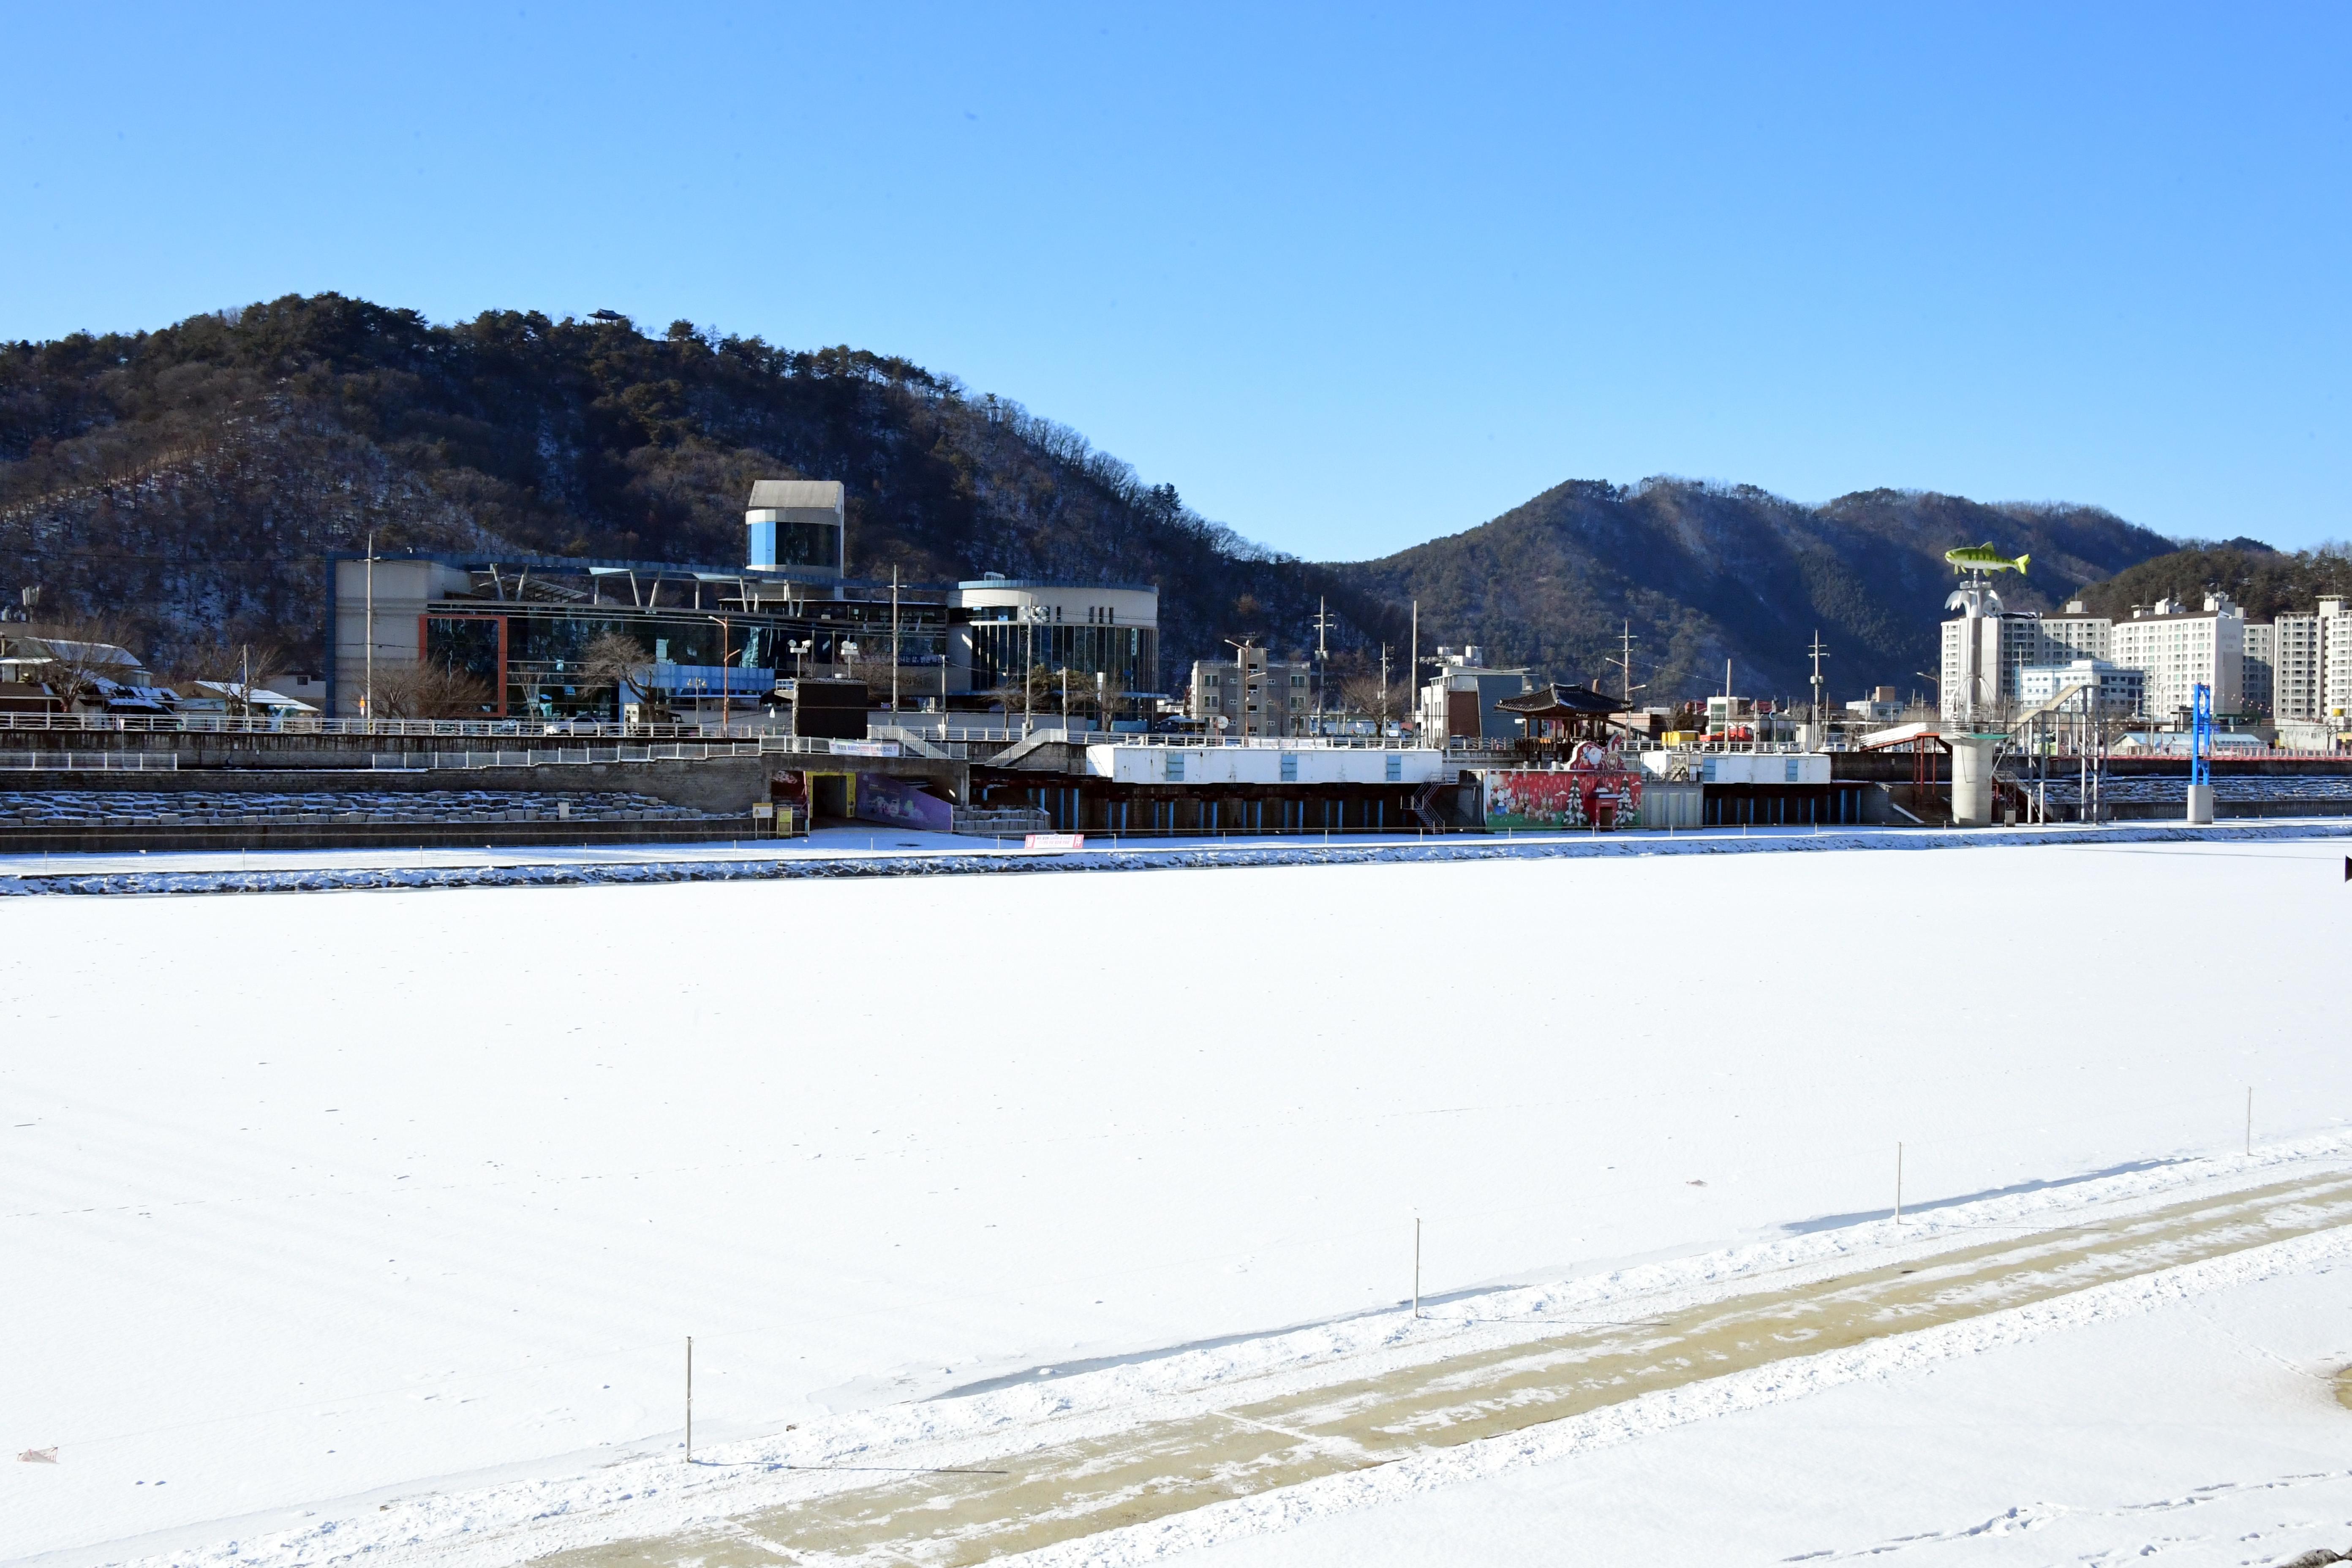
367,696
726,641
1242,665
1032,615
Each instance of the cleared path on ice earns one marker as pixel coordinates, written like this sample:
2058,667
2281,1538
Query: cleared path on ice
1043,1488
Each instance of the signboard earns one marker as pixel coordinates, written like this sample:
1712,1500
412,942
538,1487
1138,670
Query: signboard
1054,841
902,804
865,748
1594,790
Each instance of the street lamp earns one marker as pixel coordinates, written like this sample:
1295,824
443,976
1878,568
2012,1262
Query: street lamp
1032,615
726,637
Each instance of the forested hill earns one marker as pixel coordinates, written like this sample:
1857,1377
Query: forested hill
1706,573
193,478
2263,581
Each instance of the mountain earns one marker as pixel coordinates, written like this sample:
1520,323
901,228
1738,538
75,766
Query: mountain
193,478
1707,573
2261,580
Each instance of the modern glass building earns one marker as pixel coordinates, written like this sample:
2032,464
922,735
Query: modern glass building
523,630
1010,626
800,526
704,637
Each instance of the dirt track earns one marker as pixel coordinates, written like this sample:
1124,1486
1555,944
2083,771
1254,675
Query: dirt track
1055,1491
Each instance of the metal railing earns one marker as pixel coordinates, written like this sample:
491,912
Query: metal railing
91,762
677,752
230,724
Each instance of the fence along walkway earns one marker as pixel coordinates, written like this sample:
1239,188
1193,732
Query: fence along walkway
89,761
417,762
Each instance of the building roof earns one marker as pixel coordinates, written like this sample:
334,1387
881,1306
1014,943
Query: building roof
1036,583
1557,702
796,495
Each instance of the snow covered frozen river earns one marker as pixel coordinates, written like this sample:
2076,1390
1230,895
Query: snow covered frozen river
323,1204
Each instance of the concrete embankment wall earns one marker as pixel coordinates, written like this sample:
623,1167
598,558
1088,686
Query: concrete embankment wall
130,838
725,784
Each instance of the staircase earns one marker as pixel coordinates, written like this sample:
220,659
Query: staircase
1424,805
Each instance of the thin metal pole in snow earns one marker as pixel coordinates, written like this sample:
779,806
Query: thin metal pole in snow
1898,1183
1416,1265
2250,1119
690,1399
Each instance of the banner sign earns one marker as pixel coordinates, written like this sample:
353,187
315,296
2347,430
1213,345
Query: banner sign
865,747
1594,790
1054,841
902,804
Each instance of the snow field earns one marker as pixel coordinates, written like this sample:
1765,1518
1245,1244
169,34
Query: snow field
2188,1418
318,1196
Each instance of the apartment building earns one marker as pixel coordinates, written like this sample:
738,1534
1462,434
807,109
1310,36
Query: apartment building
2261,652
2177,649
1255,695
1987,650
2311,664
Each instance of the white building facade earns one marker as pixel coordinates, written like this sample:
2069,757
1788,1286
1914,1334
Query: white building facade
2311,667
2261,652
2179,649
2117,690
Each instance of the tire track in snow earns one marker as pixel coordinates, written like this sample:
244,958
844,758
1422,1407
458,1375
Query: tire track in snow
1061,1490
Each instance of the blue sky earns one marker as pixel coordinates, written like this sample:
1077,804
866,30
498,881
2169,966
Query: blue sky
1348,277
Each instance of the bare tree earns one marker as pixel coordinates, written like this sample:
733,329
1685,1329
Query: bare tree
426,690
1041,693
1365,695
83,652
243,666
621,662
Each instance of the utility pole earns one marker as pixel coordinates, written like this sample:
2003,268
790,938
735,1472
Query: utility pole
1322,661
1384,691
1818,654
1241,678
1028,674
367,697
1626,663
1412,671
894,645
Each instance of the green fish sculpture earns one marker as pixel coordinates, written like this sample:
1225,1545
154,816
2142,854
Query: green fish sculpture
1984,557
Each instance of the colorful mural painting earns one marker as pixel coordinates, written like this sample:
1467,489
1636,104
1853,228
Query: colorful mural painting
1596,789
902,804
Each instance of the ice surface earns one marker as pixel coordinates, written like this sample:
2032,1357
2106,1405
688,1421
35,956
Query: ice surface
363,1195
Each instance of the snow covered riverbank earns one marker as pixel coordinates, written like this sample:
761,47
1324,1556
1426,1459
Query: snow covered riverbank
835,854
360,1198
